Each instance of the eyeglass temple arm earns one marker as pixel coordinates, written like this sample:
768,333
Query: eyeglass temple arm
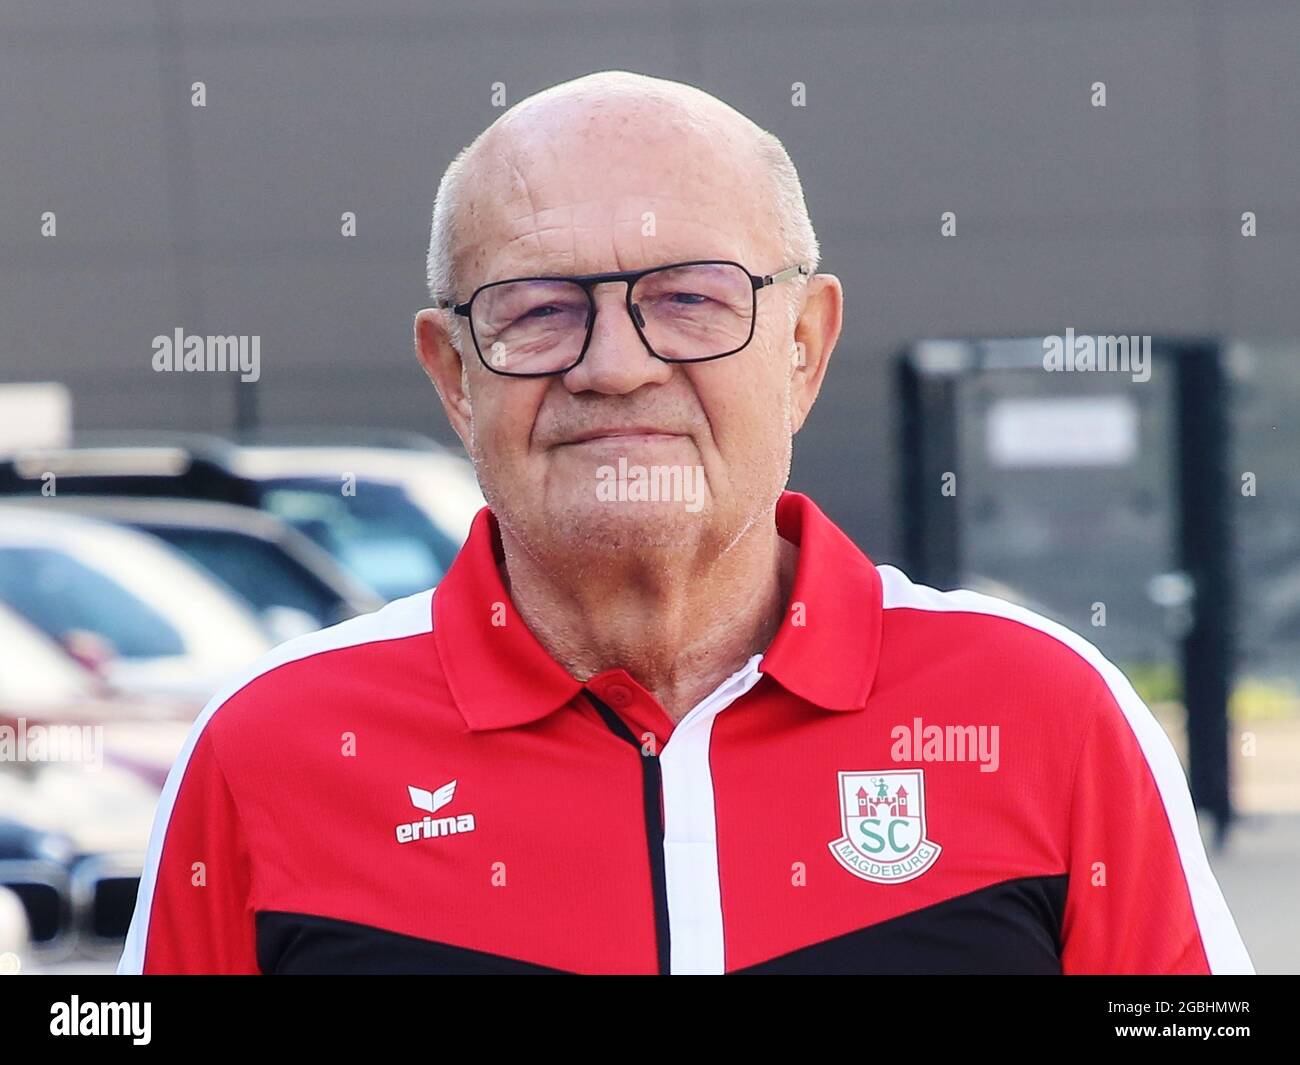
788,272
446,303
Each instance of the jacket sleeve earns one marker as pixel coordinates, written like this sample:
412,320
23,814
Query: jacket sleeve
1141,897
193,912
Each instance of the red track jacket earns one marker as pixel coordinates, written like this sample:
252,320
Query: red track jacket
906,781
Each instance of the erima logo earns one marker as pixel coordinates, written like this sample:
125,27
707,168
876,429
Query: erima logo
431,802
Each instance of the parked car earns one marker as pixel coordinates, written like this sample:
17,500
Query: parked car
441,482
15,930
35,671
35,868
271,565
167,626
402,528
79,806
379,511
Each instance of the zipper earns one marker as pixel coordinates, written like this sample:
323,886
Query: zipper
651,790
696,898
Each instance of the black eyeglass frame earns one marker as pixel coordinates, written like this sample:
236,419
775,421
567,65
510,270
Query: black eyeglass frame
588,282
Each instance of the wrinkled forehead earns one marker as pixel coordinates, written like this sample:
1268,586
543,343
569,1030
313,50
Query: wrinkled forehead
610,195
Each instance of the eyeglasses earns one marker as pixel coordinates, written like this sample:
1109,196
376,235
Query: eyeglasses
684,312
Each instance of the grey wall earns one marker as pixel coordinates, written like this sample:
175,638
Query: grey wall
226,219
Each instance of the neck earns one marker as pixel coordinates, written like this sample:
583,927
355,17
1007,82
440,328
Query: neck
680,622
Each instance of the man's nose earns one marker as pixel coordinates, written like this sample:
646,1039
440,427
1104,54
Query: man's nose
617,361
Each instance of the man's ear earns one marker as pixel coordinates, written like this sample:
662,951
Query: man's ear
815,334
443,364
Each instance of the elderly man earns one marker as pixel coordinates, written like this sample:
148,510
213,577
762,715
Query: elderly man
662,716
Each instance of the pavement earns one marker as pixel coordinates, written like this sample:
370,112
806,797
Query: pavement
1259,872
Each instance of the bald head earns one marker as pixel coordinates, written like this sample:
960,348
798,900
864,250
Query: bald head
621,173
616,103
526,189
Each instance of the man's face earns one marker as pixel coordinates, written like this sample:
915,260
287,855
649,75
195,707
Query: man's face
720,430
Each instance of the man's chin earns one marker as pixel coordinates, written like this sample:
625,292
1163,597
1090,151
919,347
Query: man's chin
621,525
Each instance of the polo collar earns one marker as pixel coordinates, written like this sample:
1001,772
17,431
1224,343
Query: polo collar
500,676
828,646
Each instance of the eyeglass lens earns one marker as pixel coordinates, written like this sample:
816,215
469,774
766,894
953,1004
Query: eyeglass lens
685,312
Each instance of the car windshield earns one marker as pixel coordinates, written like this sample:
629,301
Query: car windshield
59,594
378,534
260,571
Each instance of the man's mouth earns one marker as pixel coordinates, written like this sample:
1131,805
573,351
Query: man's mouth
625,435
